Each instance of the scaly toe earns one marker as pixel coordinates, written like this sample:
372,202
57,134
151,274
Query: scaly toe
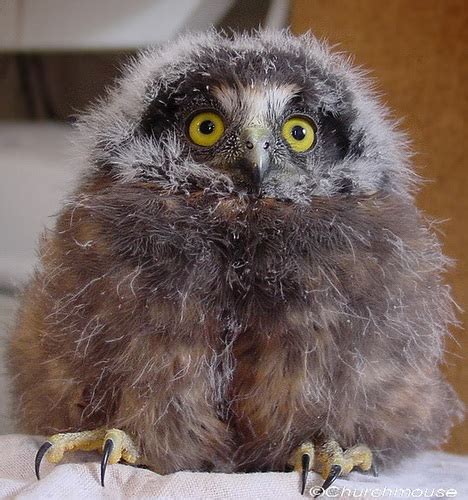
114,443
331,461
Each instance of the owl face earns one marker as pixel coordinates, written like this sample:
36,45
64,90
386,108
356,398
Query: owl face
265,136
263,115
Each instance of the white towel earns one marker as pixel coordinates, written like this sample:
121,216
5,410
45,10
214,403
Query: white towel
430,475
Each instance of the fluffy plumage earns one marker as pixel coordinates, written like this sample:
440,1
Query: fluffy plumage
222,329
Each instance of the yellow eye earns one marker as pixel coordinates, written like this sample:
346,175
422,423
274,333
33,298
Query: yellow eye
206,128
299,133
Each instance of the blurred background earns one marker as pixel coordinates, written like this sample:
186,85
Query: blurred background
57,56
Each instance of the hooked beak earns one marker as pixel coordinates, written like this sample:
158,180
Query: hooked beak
256,158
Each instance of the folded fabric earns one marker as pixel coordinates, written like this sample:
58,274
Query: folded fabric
430,475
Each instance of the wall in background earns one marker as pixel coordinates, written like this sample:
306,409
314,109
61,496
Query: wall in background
417,50
54,85
58,83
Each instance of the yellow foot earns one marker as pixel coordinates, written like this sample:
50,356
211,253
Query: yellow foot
330,461
114,443
331,455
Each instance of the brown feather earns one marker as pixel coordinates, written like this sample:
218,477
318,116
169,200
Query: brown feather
223,332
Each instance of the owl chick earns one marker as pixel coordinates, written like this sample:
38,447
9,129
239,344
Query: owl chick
242,281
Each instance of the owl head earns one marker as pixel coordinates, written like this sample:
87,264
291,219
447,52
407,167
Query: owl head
265,114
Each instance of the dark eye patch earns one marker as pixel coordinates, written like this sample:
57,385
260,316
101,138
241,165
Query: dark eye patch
159,115
333,132
334,123
174,104
333,136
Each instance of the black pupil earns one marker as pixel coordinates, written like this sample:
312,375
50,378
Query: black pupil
207,127
298,132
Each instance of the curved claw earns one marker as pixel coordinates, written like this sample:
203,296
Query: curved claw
335,471
305,463
39,456
107,450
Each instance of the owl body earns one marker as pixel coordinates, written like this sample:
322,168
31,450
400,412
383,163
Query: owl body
221,311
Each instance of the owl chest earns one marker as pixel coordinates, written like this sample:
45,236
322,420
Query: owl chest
241,267
269,390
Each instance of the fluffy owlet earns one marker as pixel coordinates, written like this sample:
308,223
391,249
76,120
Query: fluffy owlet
241,281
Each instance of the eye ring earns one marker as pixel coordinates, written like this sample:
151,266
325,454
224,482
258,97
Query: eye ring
300,132
205,128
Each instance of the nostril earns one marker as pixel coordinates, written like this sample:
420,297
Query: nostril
266,145
249,145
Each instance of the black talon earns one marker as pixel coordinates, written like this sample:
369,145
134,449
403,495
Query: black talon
305,471
108,447
334,473
39,456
